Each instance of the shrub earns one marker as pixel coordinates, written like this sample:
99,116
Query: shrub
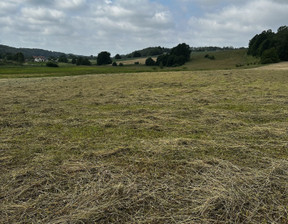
211,57
179,56
114,63
83,61
269,56
150,62
51,64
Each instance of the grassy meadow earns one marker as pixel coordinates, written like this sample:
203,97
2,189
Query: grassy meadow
230,59
151,147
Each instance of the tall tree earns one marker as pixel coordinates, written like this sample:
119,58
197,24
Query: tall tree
19,57
63,58
270,47
182,50
282,43
117,56
104,58
178,56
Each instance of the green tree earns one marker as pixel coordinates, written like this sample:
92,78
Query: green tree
150,62
182,50
136,54
19,57
282,43
117,56
261,42
83,61
74,60
265,45
63,58
178,56
104,58
269,56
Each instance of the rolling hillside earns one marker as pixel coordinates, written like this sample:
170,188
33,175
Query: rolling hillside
28,52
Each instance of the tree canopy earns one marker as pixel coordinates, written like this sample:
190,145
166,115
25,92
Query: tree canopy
104,58
269,46
150,62
63,58
178,56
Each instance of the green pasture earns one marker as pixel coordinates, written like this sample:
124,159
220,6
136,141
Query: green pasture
230,59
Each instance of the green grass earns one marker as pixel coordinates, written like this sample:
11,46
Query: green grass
64,70
170,147
224,60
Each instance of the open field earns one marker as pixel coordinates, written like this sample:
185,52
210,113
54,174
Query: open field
169,147
230,59
132,61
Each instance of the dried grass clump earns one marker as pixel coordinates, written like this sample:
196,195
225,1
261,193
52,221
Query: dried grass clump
178,147
245,196
211,191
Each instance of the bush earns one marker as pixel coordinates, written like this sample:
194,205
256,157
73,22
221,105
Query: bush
51,64
63,58
269,56
83,61
121,64
179,56
211,57
150,62
114,63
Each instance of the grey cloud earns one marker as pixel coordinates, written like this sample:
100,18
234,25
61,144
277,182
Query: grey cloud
121,26
236,25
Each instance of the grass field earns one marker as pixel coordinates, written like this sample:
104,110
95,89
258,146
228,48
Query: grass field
170,147
230,59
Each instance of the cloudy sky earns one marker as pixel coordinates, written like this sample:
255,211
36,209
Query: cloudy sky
88,27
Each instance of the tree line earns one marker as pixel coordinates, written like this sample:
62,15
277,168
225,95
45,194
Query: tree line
17,57
178,56
269,46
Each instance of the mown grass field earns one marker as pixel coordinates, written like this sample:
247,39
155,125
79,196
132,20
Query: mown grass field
163,147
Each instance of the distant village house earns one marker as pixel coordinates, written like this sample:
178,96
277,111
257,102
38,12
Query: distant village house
39,59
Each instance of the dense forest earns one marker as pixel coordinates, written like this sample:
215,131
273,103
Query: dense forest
27,52
146,52
269,46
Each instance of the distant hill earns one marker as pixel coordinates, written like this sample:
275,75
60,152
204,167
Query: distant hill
155,51
149,51
28,52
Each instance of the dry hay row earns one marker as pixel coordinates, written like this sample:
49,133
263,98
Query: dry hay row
212,191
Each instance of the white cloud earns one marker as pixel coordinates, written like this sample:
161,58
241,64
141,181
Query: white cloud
42,14
235,25
121,26
70,4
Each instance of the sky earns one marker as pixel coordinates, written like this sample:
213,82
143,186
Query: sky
87,27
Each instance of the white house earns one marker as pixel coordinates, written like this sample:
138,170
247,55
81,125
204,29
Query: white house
39,59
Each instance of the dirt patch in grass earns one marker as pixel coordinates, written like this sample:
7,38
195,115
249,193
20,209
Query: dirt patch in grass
174,147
